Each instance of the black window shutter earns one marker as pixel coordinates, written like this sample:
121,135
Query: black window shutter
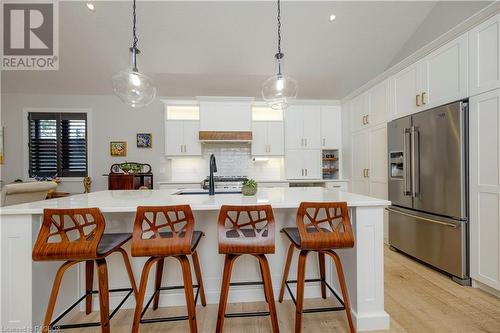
58,144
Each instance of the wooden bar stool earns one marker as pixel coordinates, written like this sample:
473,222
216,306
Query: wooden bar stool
321,227
246,230
77,235
160,232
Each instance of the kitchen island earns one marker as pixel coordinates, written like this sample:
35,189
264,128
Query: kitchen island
25,285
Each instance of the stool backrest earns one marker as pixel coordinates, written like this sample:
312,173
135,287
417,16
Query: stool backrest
162,230
324,225
69,234
246,229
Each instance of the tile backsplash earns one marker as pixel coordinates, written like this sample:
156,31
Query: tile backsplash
233,159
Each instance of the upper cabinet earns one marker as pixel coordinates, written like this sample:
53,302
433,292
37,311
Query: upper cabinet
331,134
444,74
484,56
370,108
303,126
181,138
438,78
268,138
359,112
225,115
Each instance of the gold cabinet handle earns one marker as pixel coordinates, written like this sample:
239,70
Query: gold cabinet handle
364,120
423,97
367,121
367,173
417,100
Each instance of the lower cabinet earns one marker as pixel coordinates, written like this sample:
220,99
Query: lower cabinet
484,144
303,164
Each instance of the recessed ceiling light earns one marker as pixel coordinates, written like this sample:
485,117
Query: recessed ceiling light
332,17
90,5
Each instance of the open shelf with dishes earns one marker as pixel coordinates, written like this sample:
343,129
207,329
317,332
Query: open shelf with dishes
330,164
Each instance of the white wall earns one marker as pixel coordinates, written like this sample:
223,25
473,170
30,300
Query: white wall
111,120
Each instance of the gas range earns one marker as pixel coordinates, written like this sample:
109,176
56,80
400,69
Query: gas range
226,183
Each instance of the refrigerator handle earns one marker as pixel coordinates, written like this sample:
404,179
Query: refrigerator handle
406,163
415,161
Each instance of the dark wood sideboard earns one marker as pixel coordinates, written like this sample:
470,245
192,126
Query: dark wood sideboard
119,180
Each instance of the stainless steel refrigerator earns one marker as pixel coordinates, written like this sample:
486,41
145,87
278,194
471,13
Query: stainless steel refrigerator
428,187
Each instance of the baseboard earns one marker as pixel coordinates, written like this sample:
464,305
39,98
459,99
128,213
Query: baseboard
485,288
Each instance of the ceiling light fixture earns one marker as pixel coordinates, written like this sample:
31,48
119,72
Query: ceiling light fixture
332,17
90,5
131,86
279,89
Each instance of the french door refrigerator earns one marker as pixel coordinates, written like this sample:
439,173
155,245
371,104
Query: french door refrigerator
428,187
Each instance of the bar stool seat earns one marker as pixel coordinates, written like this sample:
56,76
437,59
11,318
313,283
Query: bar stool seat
111,242
194,241
321,228
246,230
75,236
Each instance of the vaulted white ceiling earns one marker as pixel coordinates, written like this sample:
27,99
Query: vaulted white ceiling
227,48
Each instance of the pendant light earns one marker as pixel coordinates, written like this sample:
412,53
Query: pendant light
279,89
132,87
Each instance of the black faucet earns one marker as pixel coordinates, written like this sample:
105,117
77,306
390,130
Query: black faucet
213,168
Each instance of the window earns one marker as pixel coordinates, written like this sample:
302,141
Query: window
57,144
266,113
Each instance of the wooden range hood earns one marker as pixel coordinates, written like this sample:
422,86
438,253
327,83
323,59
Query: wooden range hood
225,136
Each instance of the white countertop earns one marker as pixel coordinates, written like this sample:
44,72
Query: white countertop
127,201
260,181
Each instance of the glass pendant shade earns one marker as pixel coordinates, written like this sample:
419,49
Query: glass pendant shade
279,89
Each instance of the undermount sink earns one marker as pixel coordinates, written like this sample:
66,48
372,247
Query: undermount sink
198,192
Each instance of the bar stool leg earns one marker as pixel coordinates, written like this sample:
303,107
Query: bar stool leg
263,281
197,272
268,288
142,291
322,274
285,272
130,273
158,277
188,290
300,290
345,296
102,273
55,291
89,285
224,292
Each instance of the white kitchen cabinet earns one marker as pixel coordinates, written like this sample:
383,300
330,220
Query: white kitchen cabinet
182,138
484,56
438,78
444,74
359,112
405,87
268,138
484,143
377,169
331,127
360,162
303,164
378,104
303,127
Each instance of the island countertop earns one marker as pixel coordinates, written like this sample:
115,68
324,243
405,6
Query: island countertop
127,201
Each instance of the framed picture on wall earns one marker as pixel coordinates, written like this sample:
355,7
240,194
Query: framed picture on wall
118,148
144,140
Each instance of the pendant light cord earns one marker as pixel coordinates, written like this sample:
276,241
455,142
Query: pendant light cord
279,27
134,45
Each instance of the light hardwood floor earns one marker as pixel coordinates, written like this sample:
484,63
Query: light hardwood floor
417,298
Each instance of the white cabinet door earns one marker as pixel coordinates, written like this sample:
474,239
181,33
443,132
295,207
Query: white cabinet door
275,138
378,103
295,164
191,138
484,56
360,163
359,110
312,163
293,127
444,74
377,173
331,127
311,121
174,137
404,86
226,116
259,138
484,142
